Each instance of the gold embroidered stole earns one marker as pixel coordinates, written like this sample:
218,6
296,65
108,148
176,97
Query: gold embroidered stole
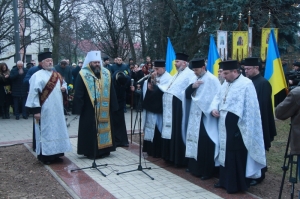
50,86
104,137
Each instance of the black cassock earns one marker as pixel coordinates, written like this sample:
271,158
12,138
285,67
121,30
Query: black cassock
173,150
204,166
153,103
118,117
232,176
264,92
83,106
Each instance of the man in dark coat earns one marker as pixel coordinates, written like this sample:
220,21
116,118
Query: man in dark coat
121,82
75,71
19,90
290,108
65,71
264,95
92,74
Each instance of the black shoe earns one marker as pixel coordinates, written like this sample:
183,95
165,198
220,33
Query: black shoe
205,177
187,170
17,117
7,117
58,160
217,185
254,182
25,117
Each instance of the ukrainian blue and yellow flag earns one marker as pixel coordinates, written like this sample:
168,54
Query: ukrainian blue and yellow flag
170,59
274,72
213,57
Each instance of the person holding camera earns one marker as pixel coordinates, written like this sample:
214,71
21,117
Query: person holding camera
290,108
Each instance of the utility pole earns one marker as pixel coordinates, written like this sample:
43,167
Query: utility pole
17,34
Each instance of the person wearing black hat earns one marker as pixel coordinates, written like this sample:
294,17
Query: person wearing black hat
202,127
241,151
152,105
46,102
174,118
30,72
264,95
120,81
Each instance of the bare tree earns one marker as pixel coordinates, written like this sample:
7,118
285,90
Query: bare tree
6,28
54,12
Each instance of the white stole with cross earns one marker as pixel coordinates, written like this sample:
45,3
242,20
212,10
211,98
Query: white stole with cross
176,87
241,99
151,119
200,104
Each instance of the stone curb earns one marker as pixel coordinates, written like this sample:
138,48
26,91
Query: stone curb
59,180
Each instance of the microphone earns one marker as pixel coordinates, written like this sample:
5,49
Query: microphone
145,77
132,82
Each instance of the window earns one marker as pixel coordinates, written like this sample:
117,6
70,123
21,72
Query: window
28,58
27,22
46,50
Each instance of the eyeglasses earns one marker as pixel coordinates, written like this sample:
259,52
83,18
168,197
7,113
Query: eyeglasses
249,68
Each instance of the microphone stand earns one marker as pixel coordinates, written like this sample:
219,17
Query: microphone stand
94,165
288,164
131,109
139,113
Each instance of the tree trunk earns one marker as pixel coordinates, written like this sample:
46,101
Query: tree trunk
128,33
142,31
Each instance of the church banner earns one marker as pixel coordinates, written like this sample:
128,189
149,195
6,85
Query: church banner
222,44
265,34
249,41
239,45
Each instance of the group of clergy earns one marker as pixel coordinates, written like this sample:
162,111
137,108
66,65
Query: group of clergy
192,120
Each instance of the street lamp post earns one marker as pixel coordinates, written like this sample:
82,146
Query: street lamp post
17,34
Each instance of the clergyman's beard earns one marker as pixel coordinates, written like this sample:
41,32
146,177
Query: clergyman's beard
96,70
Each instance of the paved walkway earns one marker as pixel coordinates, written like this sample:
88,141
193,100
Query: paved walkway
169,182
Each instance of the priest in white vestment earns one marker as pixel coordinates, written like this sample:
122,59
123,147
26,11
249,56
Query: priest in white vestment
152,105
202,140
46,101
174,113
241,152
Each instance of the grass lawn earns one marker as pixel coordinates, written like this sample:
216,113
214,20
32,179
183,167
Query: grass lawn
275,156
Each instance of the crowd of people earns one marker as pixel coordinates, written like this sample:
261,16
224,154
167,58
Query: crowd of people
213,126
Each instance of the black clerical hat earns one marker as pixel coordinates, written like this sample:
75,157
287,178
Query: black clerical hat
221,65
197,63
251,61
160,63
182,56
44,55
230,65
